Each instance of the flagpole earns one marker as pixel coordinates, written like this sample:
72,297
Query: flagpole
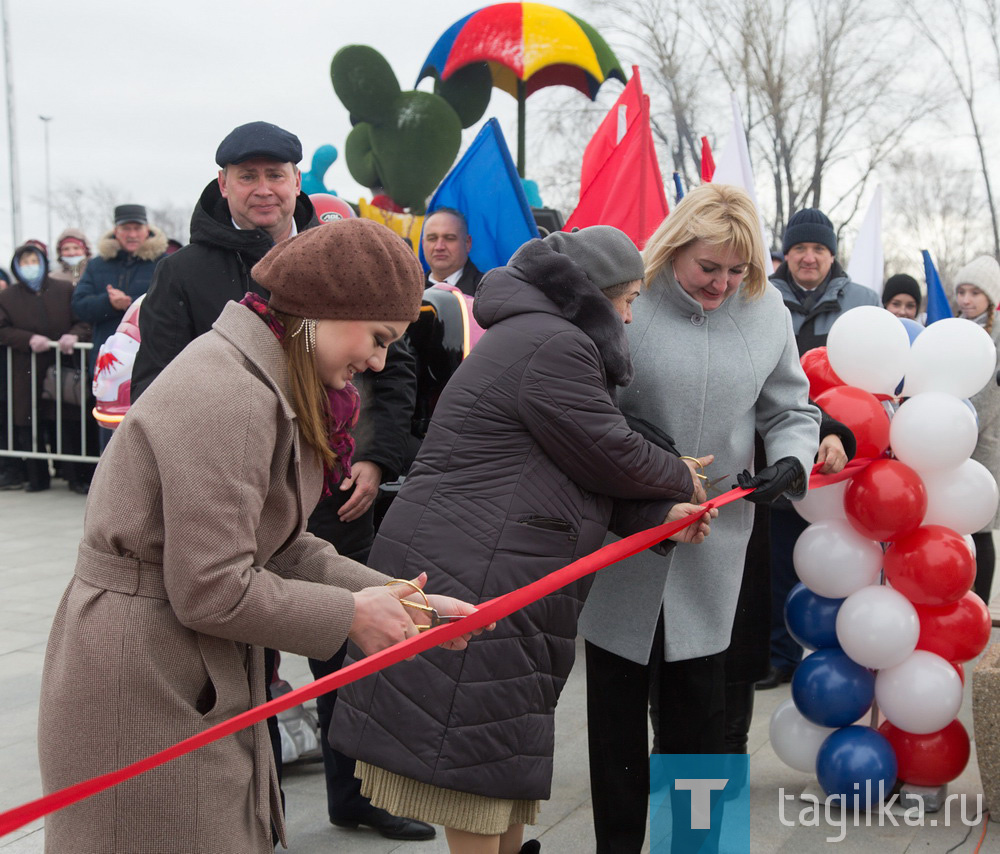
521,97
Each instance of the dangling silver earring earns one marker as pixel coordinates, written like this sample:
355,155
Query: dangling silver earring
310,327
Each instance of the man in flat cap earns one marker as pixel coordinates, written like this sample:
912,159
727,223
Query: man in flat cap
255,202
121,273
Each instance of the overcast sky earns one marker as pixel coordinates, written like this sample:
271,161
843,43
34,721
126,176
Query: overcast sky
141,94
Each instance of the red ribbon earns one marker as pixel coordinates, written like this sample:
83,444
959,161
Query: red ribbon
486,613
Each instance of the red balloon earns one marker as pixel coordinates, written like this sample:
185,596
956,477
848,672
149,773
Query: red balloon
932,759
330,208
957,632
818,371
931,566
862,413
961,670
886,500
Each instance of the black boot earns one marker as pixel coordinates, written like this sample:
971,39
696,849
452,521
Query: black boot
739,713
532,846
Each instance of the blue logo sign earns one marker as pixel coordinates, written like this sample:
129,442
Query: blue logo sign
697,804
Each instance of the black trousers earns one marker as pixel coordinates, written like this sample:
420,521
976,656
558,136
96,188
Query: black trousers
786,527
986,558
354,540
691,720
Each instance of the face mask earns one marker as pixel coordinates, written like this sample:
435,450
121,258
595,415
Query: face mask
32,275
73,261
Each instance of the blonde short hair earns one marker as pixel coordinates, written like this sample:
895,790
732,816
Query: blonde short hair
720,215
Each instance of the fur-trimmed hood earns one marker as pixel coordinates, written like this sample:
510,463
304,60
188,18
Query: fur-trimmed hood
151,249
539,279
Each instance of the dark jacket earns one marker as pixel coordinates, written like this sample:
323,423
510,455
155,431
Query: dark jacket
469,280
192,286
127,271
518,476
24,313
840,294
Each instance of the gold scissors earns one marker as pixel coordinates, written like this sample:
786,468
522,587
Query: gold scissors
424,607
706,482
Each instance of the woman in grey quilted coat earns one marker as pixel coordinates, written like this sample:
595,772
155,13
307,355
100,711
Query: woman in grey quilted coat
526,464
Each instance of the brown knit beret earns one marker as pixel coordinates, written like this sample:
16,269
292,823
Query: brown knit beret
352,269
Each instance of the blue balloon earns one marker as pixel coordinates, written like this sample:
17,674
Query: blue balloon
830,689
913,329
812,619
856,762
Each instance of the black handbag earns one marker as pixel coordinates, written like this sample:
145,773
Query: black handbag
70,385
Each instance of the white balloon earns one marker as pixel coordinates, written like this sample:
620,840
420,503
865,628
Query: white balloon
933,431
827,502
868,347
921,695
878,627
834,560
796,740
971,543
964,499
954,355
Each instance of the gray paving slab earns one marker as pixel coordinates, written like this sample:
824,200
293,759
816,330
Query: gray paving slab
38,538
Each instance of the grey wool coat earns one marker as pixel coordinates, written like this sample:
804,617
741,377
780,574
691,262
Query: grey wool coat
193,558
526,463
710,379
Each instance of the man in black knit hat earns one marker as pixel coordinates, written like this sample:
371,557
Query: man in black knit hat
816,291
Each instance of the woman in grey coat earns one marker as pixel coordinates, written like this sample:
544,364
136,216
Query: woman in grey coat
526,464
977,292
716,361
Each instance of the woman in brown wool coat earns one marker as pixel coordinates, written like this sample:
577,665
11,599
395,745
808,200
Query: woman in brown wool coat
195,557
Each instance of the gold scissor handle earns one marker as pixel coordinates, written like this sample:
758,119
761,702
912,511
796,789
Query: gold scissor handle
700,475
424,607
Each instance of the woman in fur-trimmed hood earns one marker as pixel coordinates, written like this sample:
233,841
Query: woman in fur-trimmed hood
120,274
526,464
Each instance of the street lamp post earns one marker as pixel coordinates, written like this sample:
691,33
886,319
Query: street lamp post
48,181
15,193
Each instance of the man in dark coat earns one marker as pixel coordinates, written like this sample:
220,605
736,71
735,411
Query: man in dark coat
816,291
255,202
446,243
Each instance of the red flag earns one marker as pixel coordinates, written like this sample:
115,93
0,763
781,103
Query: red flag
620,182
707,162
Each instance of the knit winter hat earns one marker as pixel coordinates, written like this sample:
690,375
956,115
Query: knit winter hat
901,284
352,269
984,273
607,255
809,225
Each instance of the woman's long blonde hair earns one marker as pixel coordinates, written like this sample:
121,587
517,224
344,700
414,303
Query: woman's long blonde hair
720,215
309,396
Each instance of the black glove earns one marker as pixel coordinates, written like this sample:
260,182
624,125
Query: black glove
772,481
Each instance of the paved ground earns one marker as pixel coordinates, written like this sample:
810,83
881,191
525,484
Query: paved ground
38,536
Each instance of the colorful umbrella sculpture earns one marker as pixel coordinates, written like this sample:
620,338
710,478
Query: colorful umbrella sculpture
526,46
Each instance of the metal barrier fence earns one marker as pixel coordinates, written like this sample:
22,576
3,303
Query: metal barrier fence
38,449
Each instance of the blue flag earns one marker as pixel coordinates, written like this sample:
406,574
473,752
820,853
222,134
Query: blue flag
937,303
679,186
484,185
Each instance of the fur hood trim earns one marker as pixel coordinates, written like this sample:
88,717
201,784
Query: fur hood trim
152,247
572,294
